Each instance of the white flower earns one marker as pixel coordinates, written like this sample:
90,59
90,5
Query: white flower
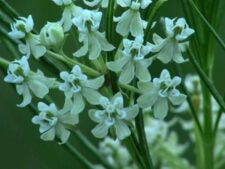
178,28
53,122
132,61
113,115
172,47
52,35
87,23
158,93
70,11
130,20
27,82
32,46
21,27
77,86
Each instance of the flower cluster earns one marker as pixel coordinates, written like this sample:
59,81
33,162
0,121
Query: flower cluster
107,96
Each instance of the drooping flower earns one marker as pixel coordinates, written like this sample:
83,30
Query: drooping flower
87,23
156,94
130,21
53,122
113,115
52,36
27,82
77,86
132,61
172,47
21,29
70,11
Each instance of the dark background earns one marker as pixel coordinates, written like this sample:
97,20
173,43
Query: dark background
20,146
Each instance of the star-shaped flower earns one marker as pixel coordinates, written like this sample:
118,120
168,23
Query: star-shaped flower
87,23
156,94
77,86
113,115
54,123
172,47
132,61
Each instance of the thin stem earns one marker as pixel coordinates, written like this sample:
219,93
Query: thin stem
72,62
206,81
79,156
155,9
143,141
218,119
8,9
4,63
214,33
130,88
133,148
193,110
89,146
208,138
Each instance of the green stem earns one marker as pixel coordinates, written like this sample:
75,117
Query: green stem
208,138
130,88
143,141
72,62
206,81
133,148
8,9
193,110
89,146
214,33
79,156
4,63
155,9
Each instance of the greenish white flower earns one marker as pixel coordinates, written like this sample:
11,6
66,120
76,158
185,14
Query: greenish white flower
113,116
21,29
87,23
52,36
132,62
27,82
130,21
70,11
32,46
156,94
172,47
54,123
77,86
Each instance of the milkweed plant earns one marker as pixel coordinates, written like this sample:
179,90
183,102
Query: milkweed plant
137,113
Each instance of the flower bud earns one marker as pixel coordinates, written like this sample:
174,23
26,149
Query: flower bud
52,36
